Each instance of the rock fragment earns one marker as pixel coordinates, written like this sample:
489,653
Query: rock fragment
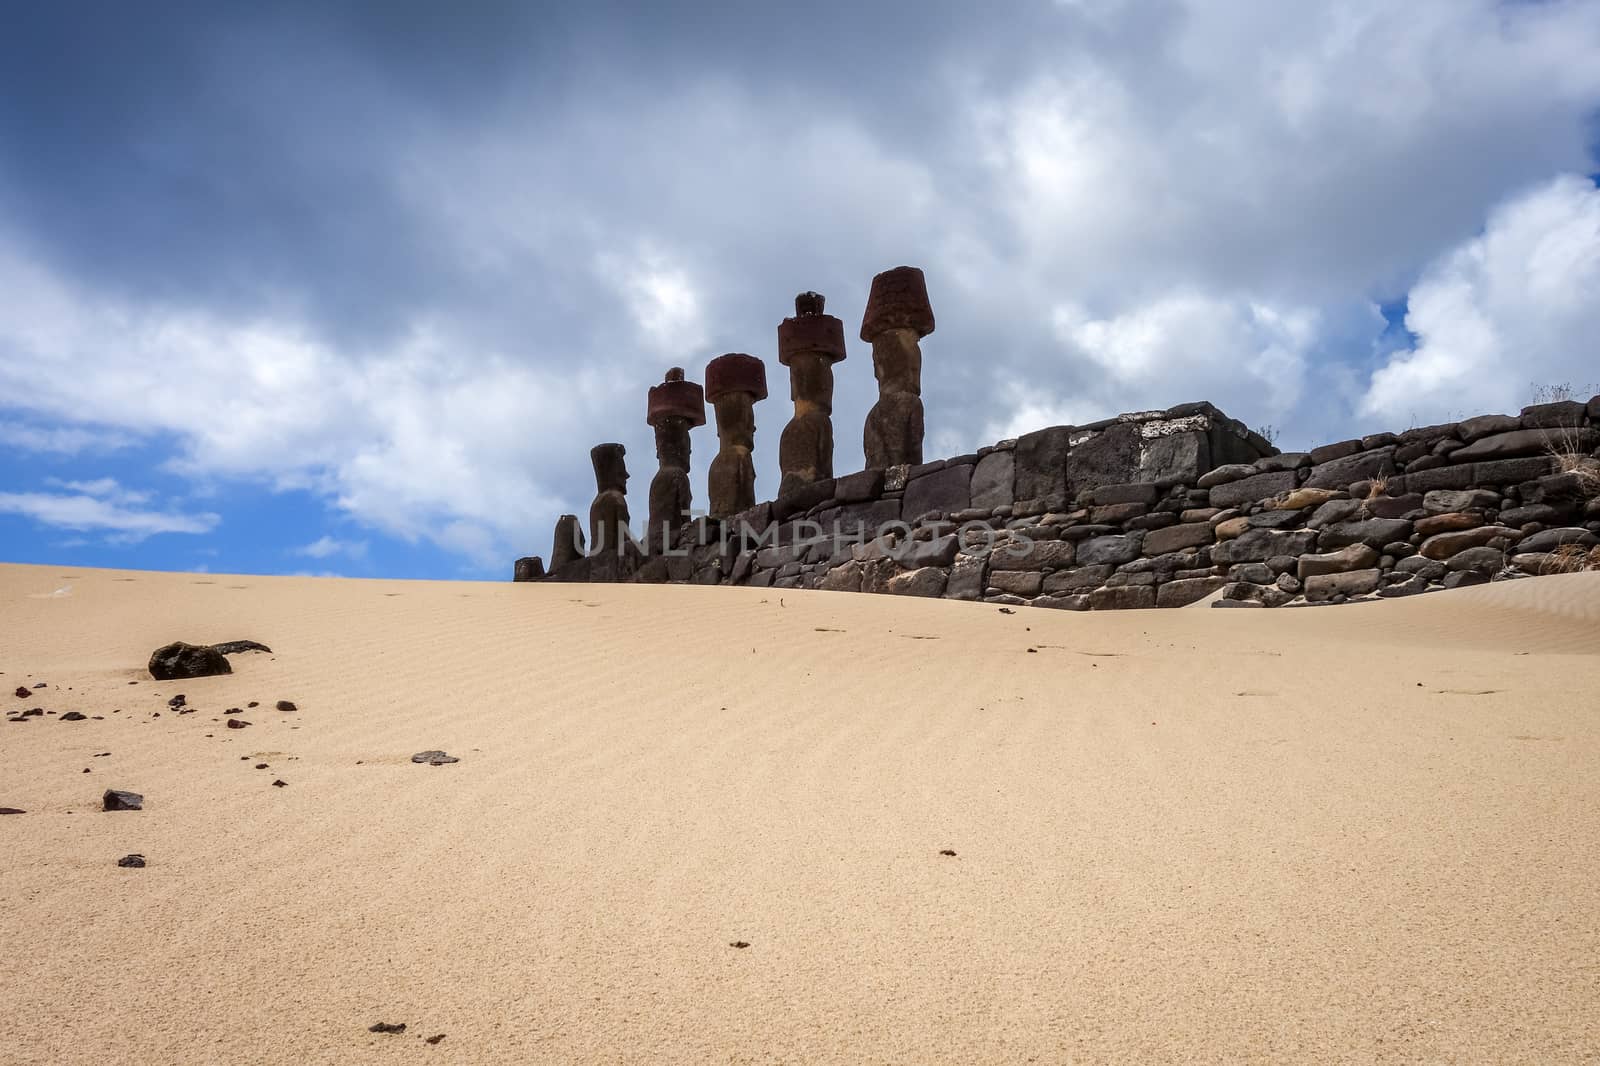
433,758
117,800
74,716
180,660
385,1027
237,723
286,705
134,861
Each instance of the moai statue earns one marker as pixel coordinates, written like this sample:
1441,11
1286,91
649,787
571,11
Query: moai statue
808,344
675,406
734,382
610,543
568,542
897,317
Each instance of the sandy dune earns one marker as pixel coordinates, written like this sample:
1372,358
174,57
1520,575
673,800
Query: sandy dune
1368,833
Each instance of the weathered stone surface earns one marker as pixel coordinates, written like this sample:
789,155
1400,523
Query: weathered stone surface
1444,545
1351,557
1016,582
1283,461
1154,520
1124,578
1482,560
1300,499
943,492
1258,545
1563,414
1109,495
1408,586
1373,531
1444,501
1513,471
1113,549
1116,514
843,578
1564,489
1329,452
1323,587
1421,566
1124,598
1229,528
1521,442
1452,522
862,485
1486,425
940,551
1183,591
1274,519
1544,514
1111,457
117,800
1464,578
1549,540
1394,506
1040,467
1340,473
1079,579
1254,573
1199,514
991,484
1176,538
528,568
968,577
1034,555
1224,474
1063,603
180,660
925,581
1250,489
1416,479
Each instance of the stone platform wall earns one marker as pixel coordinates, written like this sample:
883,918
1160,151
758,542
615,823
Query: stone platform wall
1161,509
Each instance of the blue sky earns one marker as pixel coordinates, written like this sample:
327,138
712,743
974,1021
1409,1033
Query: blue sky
353,287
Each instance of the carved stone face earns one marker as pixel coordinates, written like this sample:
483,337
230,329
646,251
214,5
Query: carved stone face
610,468
736,419
811,382
672,443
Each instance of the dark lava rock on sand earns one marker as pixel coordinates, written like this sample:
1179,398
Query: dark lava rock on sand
234,647
178,660
134,861
385,1027
433,758
73,716
114,800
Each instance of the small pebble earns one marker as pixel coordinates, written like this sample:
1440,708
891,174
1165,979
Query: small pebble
385,1027
948,852
280,784
237,723
286,705
135,861
261,766
739,943
253,703
434,1039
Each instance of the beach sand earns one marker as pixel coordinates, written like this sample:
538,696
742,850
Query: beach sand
1362,833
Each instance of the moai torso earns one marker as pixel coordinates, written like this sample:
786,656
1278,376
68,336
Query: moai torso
611,550
675,406
734,382
808,344
898,316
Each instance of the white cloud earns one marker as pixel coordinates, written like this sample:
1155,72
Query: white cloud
86,513
1511,309
61,440
325,547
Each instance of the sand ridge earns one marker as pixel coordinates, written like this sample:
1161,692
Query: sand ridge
1339,834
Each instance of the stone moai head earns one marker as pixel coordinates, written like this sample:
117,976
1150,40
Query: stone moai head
568,543
809,344
898,316
610,467
734,382
673,408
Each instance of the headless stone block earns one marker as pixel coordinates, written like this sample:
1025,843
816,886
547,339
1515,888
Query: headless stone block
568,544
675,406
734,382
808,344
897,317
